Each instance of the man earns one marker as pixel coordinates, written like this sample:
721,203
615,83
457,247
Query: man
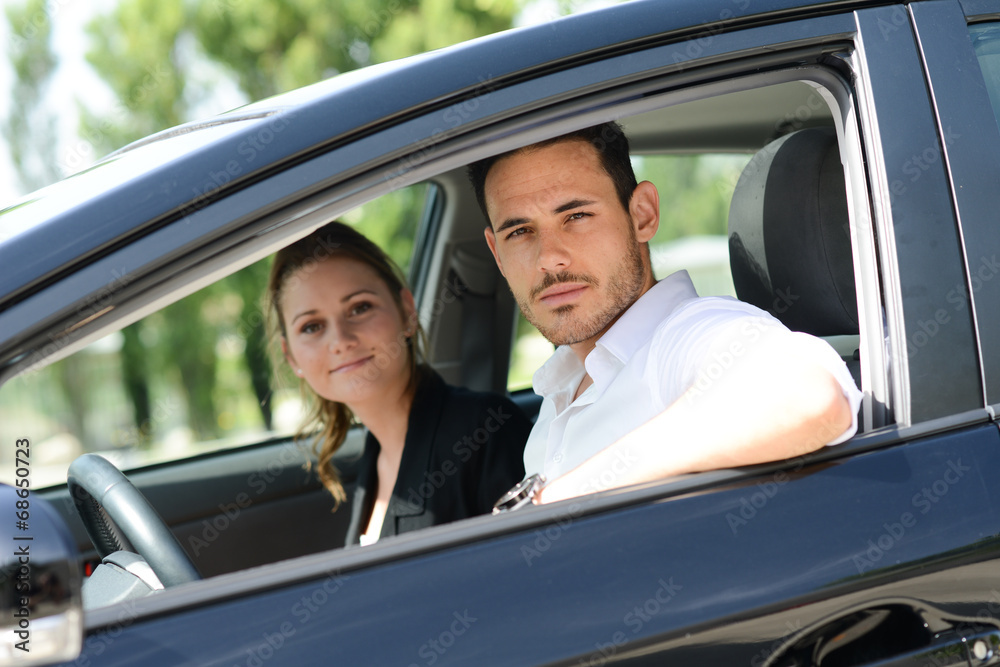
648,380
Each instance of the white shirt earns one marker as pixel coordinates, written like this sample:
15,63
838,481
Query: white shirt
668,341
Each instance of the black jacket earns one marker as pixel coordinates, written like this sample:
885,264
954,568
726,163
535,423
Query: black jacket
463,450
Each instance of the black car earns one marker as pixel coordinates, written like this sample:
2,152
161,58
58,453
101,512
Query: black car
866,213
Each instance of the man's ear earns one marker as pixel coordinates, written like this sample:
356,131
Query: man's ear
644,207
491,241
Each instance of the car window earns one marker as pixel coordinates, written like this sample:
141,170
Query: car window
695,191
191,378
986,41
696,171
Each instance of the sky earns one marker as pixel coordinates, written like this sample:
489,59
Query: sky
74,80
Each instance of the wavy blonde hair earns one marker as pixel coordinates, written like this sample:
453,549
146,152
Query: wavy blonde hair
329,420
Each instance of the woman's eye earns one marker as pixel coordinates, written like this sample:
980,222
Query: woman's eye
360,308
310,327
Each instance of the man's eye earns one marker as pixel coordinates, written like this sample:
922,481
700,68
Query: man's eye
520,231
578,215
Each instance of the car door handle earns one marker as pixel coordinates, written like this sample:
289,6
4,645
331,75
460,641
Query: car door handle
893,633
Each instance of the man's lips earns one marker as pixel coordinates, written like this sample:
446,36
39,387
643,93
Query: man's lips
561,294
351,365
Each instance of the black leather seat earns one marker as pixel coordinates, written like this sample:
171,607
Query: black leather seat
789,241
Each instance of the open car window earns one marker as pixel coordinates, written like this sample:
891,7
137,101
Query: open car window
697,175
192,378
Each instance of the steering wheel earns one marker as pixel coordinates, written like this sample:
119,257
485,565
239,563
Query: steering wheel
118,517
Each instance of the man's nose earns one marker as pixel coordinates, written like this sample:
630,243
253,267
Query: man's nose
553,253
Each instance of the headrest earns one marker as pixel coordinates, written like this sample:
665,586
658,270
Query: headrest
789,242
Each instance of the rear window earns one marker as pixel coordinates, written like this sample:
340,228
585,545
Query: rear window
986,42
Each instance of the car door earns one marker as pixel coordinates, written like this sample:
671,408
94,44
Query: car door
730,566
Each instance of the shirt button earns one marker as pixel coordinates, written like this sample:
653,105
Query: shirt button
557,458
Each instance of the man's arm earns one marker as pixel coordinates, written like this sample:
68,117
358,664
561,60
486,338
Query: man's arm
776,401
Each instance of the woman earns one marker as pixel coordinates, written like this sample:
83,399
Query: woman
348,328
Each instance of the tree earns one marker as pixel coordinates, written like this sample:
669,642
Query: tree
137,51
272,46
30,129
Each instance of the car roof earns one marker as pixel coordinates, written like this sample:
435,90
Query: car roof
160,178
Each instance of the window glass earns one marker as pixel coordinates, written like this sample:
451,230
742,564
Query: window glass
695,191
986,41
191,378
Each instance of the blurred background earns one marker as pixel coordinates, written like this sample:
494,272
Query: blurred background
82,78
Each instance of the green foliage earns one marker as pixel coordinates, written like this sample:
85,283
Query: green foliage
272,46
29,129
137,50
391,221
695,191
432,24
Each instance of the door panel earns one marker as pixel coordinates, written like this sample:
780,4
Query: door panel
971,143
716,575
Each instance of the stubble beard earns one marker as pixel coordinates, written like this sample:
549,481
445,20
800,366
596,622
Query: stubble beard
570,326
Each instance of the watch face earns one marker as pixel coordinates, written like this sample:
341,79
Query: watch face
520,495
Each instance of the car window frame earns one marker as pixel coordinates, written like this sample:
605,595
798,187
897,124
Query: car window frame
918,238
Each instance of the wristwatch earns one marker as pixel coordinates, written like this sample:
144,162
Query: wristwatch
522,494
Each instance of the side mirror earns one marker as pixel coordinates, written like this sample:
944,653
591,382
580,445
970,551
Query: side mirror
41,599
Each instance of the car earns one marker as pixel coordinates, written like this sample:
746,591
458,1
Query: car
865,212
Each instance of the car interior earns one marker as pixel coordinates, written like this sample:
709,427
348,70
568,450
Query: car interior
787,240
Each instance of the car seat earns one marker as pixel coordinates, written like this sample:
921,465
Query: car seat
789,241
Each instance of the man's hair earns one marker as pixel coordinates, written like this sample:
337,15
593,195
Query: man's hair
607,139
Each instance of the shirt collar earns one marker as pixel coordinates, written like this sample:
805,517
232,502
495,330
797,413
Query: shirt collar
637,324
563,371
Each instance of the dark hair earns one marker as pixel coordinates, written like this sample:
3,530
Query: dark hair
607,139
329,419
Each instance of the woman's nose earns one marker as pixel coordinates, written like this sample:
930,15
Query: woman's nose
341,336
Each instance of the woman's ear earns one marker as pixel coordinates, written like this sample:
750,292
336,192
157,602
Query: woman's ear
409,312
289,358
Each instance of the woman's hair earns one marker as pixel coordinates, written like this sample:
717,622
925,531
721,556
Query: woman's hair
328,419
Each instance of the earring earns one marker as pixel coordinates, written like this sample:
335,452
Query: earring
298,371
